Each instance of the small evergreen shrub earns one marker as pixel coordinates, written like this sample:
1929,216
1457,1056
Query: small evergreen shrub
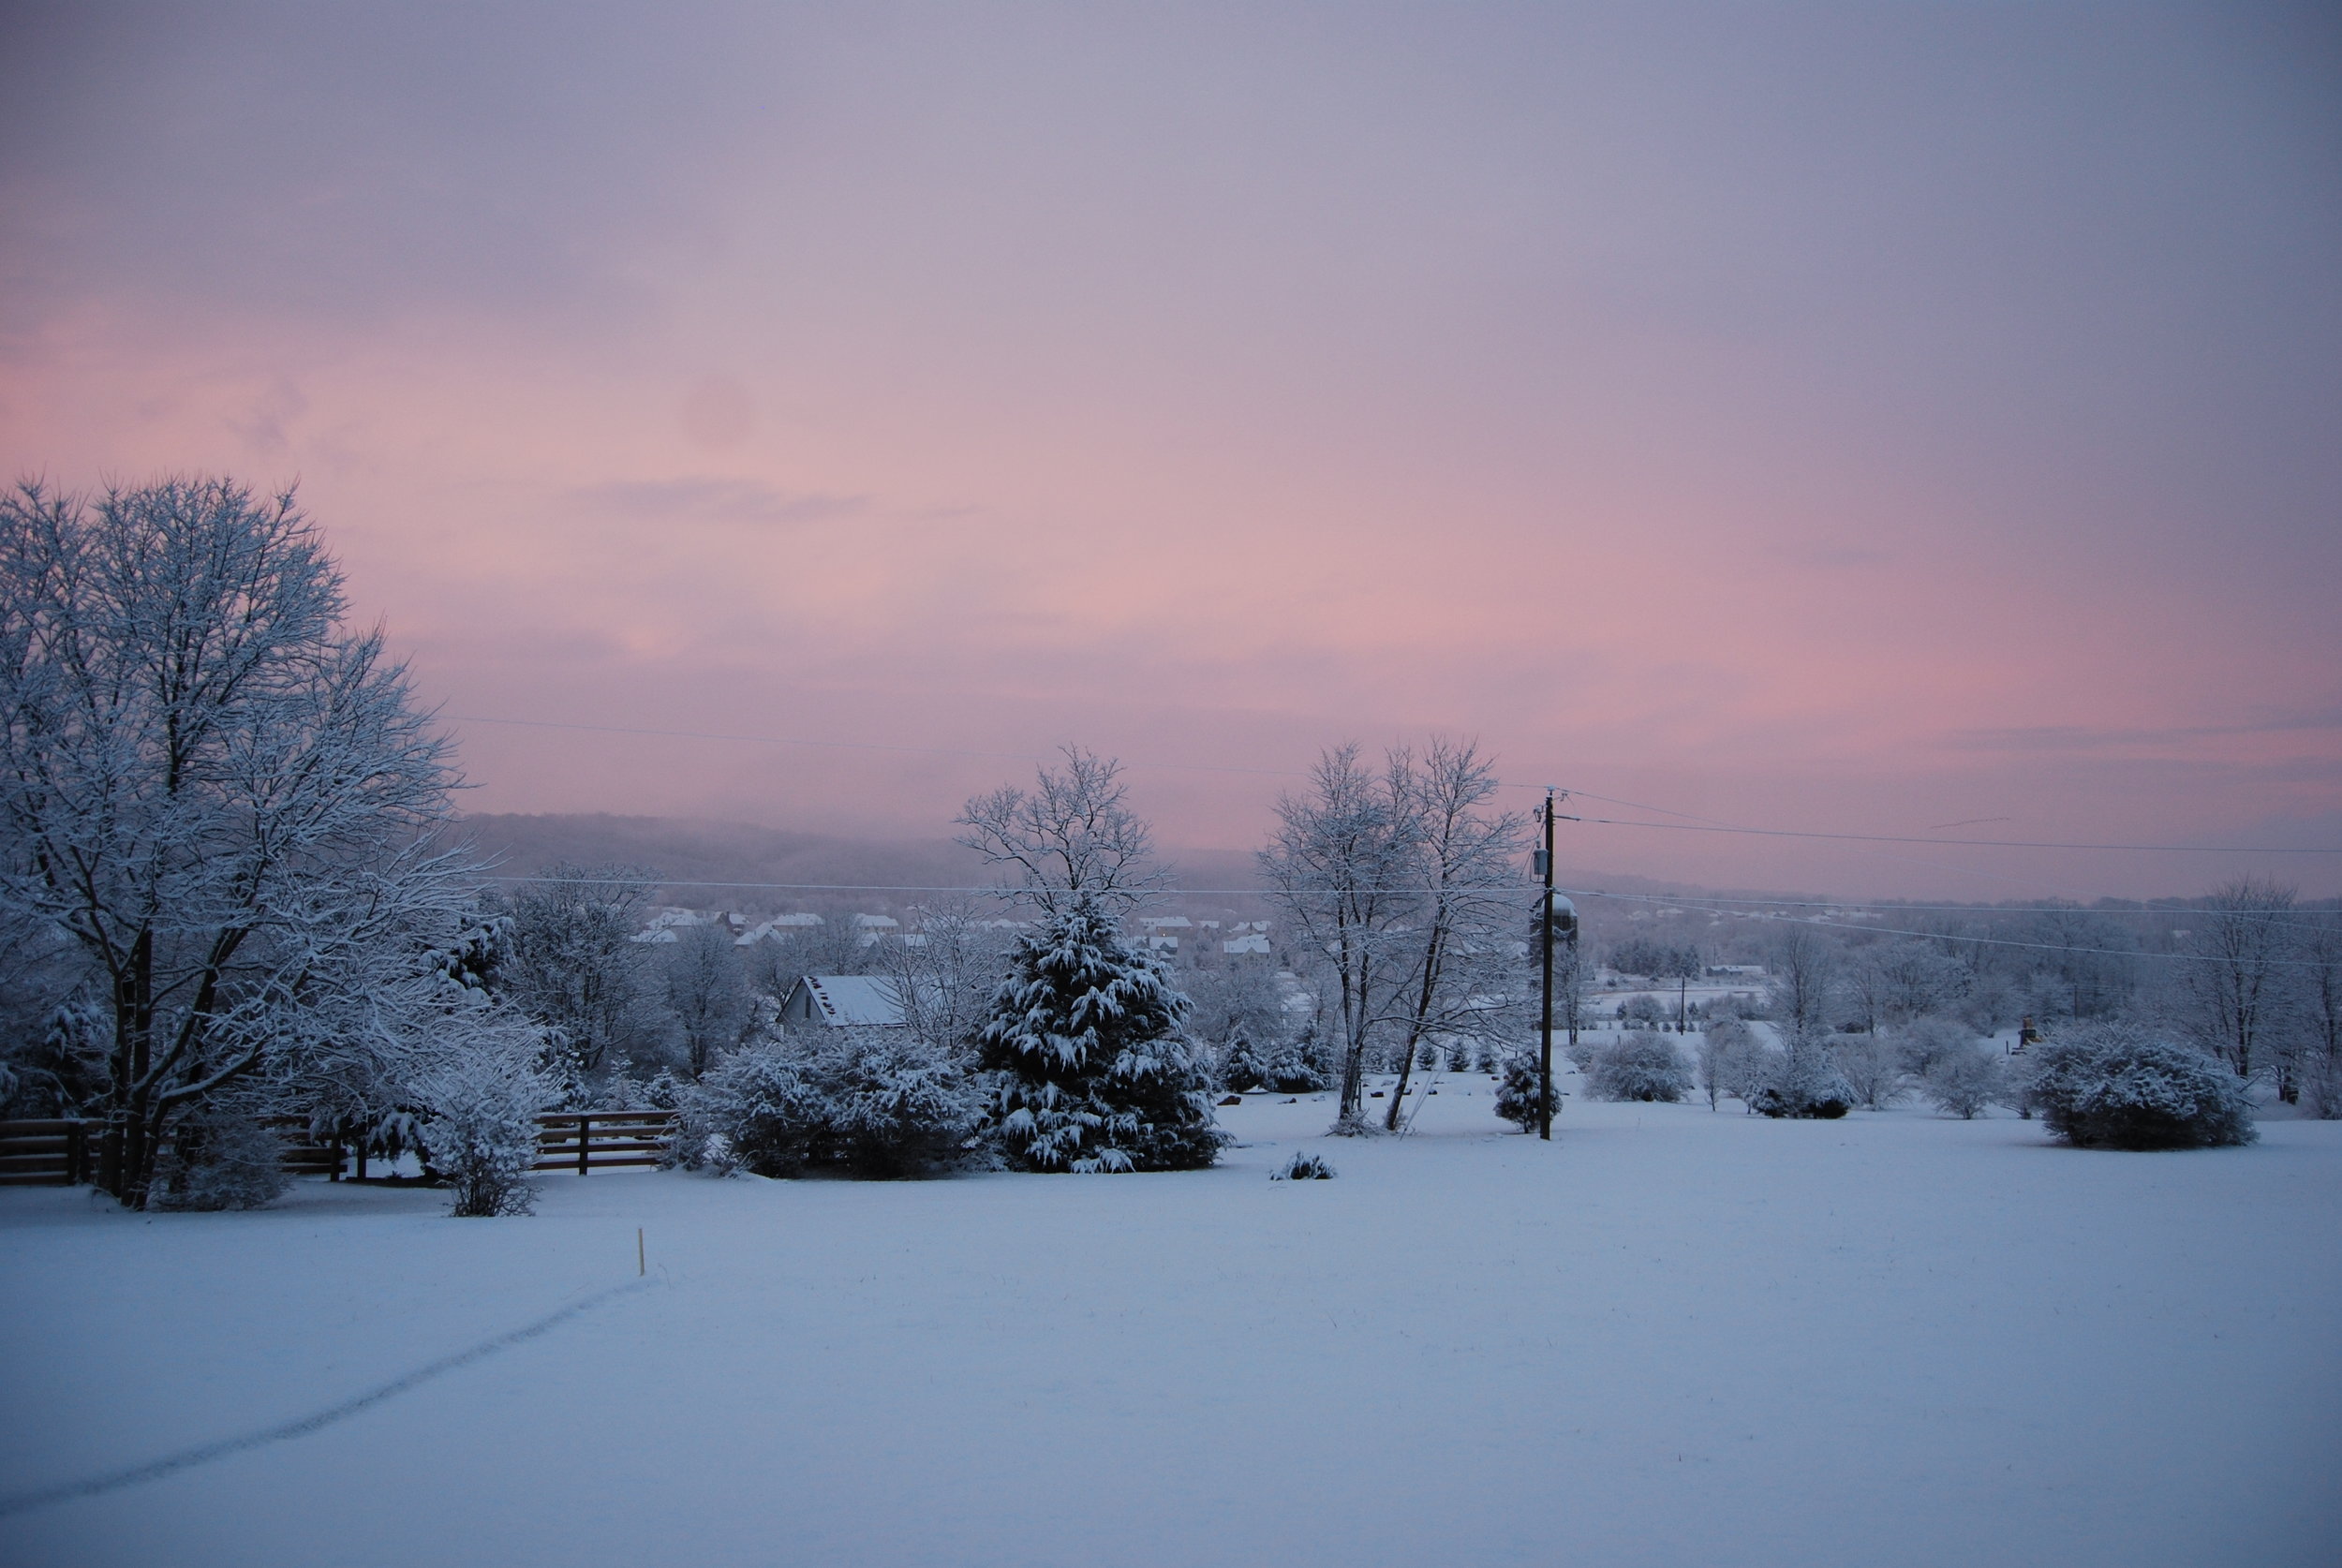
1516,1095
2115,1085
1304,1167
1644,1067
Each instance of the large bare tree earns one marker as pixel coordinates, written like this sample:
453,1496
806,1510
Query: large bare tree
218,794
2232,994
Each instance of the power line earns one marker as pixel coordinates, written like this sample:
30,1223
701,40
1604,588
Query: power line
1699,825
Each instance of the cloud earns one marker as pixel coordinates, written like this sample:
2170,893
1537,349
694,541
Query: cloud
715,501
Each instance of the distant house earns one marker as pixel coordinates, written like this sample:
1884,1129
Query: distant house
1255,943
838,1001
779,928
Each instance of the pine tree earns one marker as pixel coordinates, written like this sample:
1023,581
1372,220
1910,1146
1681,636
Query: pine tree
1095,1072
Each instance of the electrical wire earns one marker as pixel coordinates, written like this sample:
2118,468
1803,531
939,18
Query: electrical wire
1689,825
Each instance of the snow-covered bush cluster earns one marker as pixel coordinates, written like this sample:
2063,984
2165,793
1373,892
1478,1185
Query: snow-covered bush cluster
1801,1082
1643,1067
225,1156
876,1102
2119,1085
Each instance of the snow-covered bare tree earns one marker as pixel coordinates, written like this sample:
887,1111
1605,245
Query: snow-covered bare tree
707,991
1342,865
221,797
2318,1013
1803,980
945,972
2232,988
575,967
1464,970
1070,839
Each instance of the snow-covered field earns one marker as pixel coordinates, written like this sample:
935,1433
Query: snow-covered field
1671,1337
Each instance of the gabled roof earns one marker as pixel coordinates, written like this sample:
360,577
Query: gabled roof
843,999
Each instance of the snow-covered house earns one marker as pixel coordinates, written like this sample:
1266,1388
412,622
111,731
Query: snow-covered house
838,1001
1253,944
779,928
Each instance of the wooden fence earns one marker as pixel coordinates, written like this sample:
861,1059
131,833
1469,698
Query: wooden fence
584,1140
66,1152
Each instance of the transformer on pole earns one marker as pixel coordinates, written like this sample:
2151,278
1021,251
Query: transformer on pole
1557,911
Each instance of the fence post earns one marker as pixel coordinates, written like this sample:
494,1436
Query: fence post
585,1140
76,1155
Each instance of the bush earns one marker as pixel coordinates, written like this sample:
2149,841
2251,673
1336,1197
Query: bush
1966,1080
1645,1069
1304,1167
1517,1096
1803,1082
1871,1067
2115,1085
1922,1042
1731,1059
223,1157
1283,1066
874,1102
480,1136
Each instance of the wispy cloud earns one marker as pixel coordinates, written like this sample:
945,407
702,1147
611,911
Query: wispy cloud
715,501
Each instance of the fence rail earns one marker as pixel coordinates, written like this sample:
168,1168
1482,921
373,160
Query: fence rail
63,1151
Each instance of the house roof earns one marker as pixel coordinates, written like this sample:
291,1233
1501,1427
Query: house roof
851,999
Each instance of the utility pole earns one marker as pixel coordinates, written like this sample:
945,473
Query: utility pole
1545,1033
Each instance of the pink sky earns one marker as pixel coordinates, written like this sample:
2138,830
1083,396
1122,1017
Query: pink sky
1847,418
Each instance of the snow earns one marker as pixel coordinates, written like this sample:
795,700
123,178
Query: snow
1671,1337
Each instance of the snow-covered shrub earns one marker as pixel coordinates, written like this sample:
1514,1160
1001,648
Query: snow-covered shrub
868,1101
1731,1059
891,1104
480,1133
1644,1011
1092,1072
2116,1086
223,1157
1304,1167
1517,1099
1282,1065
1924,1042
1872,1066
1645,1069
1802,1082
754,1111
1964,1080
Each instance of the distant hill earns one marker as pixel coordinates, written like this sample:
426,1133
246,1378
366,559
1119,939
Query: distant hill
692,858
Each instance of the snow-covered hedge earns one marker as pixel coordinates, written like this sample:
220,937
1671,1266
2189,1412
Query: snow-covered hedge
866,1102
2116,1086
1645,1067
223,1157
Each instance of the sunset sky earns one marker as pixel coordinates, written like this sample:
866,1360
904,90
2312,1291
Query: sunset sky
1859,419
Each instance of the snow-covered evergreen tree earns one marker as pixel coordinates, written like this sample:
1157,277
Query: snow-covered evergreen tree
1094,1071
2116,1086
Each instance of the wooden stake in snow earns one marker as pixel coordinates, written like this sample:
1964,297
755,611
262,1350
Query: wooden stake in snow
640,1268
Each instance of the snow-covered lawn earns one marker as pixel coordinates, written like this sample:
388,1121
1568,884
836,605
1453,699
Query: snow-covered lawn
1668,1337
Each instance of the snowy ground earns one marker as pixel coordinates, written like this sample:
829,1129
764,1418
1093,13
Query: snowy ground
1667,1338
